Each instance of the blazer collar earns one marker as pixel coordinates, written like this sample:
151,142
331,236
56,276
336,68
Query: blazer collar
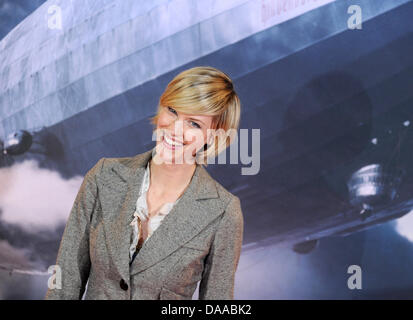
197,207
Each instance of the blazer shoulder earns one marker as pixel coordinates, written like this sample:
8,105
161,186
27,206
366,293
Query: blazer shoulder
232,216
105,165
96,170
127,164
109,163
225,195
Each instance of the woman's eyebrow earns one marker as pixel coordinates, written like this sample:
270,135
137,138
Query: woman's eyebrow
197,120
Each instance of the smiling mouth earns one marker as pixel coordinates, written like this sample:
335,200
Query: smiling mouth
170,144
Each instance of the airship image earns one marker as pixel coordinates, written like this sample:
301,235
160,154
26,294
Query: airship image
79,81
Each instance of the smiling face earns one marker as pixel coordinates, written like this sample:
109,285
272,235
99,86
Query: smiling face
181,135
199,105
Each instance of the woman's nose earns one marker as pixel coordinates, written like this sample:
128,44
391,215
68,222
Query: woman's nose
177,128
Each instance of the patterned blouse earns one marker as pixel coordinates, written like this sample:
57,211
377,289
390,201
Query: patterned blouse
141,213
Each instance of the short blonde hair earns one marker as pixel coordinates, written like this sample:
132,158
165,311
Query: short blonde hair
205,91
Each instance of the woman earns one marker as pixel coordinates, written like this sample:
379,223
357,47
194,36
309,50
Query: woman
152,226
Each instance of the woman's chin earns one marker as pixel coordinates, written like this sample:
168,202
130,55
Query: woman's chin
170,156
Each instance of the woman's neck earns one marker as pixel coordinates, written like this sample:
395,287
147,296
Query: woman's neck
167,179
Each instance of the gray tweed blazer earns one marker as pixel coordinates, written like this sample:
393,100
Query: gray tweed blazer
199,240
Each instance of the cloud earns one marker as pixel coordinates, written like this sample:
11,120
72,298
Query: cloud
15,283
35,198
11,257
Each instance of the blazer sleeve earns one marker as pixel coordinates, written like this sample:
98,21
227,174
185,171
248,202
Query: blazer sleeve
218,277
73,255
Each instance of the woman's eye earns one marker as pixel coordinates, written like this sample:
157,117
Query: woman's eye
196,125
172,110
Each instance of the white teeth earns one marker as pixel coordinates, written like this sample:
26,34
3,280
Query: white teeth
171,142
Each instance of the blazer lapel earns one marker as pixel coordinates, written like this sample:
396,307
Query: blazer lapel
186,219
118,200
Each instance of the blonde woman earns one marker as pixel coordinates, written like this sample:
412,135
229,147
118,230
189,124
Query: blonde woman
154,225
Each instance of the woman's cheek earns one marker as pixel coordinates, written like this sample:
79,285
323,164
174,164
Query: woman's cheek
195,137
163,121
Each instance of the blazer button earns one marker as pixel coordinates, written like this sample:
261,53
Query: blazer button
123,285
